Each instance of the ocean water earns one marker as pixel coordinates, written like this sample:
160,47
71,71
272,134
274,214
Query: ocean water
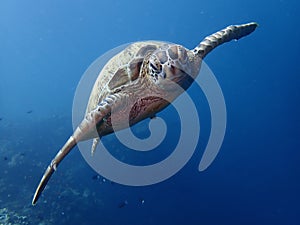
45,48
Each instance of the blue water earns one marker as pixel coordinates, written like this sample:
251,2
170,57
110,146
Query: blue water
45,47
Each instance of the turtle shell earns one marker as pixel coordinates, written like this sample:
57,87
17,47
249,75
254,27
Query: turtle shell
121,70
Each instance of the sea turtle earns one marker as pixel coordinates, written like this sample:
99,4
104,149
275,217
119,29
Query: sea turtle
136,84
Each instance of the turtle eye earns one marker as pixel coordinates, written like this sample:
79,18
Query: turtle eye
154,67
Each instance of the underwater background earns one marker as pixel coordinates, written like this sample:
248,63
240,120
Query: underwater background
46,46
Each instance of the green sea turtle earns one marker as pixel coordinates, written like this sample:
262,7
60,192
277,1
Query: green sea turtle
136,84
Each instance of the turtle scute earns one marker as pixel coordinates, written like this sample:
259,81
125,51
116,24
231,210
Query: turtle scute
120,78
131,70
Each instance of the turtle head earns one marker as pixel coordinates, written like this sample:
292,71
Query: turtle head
169,66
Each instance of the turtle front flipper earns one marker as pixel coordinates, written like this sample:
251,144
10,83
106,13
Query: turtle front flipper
86,130
52,167
233,32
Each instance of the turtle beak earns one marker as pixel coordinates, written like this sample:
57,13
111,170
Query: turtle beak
178,76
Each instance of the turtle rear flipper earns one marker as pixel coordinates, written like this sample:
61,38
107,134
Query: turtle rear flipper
94,146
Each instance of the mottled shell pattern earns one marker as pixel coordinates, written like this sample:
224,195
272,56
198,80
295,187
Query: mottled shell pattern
124,69
137,74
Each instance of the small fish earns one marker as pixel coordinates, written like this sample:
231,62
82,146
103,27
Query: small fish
29,111
142,201
96,177
5,158
123,204
0,118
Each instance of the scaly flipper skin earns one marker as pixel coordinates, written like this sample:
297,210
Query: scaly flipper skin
233,32
140,69
52,167
86,126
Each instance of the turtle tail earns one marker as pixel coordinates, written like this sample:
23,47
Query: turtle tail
233,32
